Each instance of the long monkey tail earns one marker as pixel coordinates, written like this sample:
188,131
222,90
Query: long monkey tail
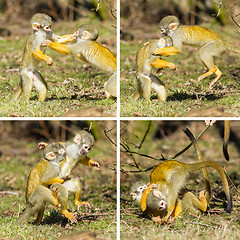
198,166
200,157
226,138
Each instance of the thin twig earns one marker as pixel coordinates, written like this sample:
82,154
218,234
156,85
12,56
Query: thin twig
234,186
144,137
202,224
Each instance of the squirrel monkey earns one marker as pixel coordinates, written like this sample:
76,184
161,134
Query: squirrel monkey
145,63
170,176
89,50
77,151
33,53
210,43
44,174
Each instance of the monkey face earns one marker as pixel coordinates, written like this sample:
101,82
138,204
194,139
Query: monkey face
85,141
55,152
168,24
85,149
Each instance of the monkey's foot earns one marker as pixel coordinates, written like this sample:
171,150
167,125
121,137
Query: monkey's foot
203,200
69,216
157,219
80,204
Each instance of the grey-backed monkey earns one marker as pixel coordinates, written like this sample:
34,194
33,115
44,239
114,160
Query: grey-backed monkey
89,50
77,151
210,43
146,61
33,53
170,176
44,174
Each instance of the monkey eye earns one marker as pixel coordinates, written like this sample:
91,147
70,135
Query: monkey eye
86,147
163,30
61,151
47,28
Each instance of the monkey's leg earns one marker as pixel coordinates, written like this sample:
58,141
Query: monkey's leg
144,84
110,86
40,216
74,186
207,54
61,193
40,85
139,89
159,87
159,63
18,92
178,209
27,78
171,203
191,204
167,51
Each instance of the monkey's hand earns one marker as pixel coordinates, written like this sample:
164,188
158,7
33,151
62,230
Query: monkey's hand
42,145
46,43
75,34
157,219
49,61
94,164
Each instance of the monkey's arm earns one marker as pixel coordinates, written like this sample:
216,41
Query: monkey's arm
41,56
65,38
159,63
57,47
51,181
89,162
167,51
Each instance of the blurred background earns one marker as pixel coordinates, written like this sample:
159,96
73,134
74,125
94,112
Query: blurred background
137,14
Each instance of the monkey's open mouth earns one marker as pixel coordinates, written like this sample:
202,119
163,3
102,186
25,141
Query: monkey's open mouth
82,152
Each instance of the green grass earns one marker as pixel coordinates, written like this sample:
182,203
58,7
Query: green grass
72,85
186,96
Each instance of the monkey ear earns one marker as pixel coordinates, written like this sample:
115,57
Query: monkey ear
85,35
133,196
35,26
77,139
162,42
173,26
50,156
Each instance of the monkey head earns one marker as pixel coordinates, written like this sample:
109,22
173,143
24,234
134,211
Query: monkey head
87,32
137,190
54,152
168,25
85,141
156,200
42,21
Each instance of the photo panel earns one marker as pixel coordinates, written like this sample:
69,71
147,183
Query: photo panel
164,192
44,163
